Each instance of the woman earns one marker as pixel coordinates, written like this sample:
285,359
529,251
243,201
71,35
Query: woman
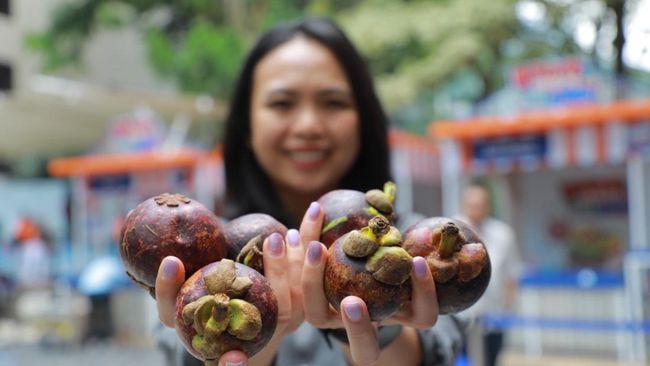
305,120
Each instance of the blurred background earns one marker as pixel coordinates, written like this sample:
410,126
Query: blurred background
106,103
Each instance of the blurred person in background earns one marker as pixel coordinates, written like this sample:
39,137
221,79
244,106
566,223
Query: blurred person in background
500,295
32,256
304,120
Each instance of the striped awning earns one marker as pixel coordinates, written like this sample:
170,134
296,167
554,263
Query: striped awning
582,135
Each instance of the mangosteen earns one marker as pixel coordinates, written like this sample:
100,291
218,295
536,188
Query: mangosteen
457,257
225,306
169,224
371,264
245,236
346,210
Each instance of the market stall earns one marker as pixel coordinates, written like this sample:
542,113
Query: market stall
414,161
575,185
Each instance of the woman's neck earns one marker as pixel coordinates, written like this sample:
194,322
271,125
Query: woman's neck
296,203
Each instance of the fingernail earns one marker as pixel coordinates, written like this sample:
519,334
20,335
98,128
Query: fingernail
275,244
420,267
313,210
241,363
293,238
168,268
314,252
352,310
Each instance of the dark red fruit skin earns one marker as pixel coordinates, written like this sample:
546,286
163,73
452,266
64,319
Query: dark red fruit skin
345,276
453,295
339,203
259,294
151,232
244,228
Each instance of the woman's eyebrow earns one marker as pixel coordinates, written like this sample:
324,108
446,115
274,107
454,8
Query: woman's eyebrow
335,92
281,91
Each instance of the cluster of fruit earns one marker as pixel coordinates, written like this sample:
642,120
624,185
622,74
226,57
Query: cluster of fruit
226,302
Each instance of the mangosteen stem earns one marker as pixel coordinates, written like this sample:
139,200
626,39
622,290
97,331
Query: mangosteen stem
448,239
390,189
379,225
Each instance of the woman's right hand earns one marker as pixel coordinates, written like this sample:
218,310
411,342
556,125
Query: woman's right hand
278,257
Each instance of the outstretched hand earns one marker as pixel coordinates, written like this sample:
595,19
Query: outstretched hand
421,312
285,284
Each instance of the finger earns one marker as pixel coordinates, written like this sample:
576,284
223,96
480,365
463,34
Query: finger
296,258
170,278
423,301
275,270
362,335
295,255
311,224
232,358
315,304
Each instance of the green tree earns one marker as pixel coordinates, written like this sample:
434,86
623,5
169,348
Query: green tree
423,53
198,44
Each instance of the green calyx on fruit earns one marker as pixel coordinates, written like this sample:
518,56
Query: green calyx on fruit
334,223
390,265
220,310
251,254
382,201
245,320
380,242
359,245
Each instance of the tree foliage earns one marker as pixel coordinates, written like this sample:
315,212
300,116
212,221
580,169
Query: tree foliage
417,49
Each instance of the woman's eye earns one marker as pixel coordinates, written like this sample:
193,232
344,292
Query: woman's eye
337,104
280,104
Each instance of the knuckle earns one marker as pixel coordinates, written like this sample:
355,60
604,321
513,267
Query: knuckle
318,321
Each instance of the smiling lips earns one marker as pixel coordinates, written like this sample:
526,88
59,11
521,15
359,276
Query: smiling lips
307,159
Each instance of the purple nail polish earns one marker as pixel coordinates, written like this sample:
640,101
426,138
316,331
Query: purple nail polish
293,238
168,268
276,246
314,252
240,363
420,267
352,310
313,210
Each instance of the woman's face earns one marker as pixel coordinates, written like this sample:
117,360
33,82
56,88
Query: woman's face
304,121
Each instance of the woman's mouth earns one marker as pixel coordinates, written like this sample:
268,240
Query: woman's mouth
308,159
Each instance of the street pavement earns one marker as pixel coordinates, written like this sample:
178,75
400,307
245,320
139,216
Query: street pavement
91,354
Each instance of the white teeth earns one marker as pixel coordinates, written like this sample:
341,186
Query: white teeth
307,155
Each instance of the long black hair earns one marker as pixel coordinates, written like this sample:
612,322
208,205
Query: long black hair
248,187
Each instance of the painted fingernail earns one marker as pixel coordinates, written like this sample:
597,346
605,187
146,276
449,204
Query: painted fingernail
314,252
420,267
293,238
240,363
313,210
352,310
275,244
168,268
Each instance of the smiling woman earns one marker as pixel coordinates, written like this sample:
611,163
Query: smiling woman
304,124
304,120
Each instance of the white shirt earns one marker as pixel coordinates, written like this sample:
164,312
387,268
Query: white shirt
499,239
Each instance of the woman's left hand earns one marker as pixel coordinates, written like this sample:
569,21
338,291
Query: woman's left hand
421,312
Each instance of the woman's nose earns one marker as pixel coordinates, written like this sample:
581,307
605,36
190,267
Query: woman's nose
308,120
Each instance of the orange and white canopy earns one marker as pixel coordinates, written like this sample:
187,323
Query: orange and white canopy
581,135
